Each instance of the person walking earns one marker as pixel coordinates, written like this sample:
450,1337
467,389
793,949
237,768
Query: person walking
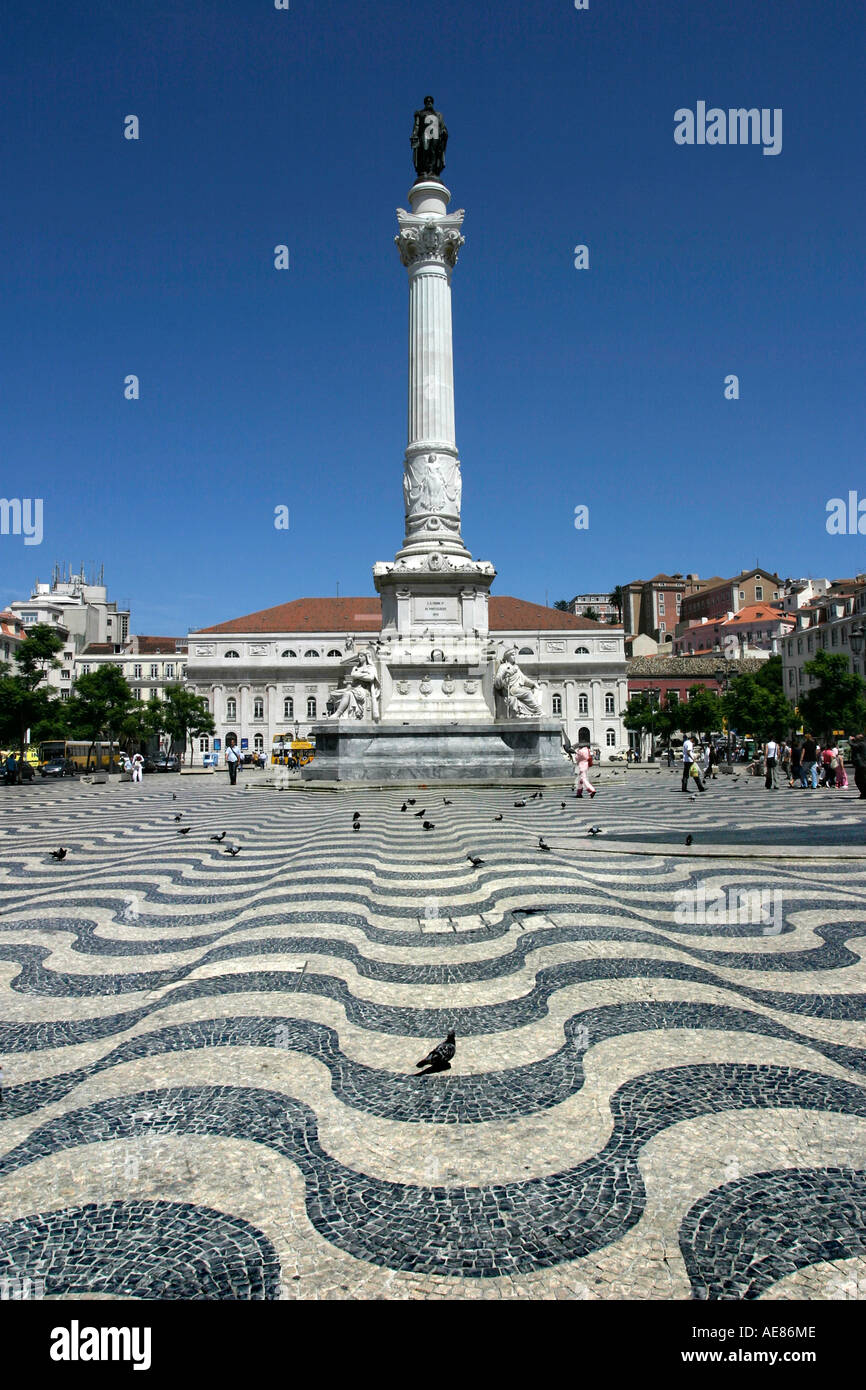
858,762
771,761
233,760
785,759
713,762
809,763
828,765
796,752
688,761
138,768
841,774
583,762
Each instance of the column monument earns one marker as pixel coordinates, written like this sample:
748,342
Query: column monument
447,705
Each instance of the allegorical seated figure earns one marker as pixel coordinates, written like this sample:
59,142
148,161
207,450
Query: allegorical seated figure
362,685
516,688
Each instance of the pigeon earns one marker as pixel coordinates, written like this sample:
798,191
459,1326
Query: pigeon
428,825
520,803
542,845
233,850
185,831
688,839
58,854
497,818
174,796
179,816
562,805
420,813
218,839
594,830
693,798
356,816
410,801
445,801
475,861
440,1057
356,825
536,796
403,807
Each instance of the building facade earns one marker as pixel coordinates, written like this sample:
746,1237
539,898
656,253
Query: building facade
652,606
277,672
727,596
597,603
149,664
824,625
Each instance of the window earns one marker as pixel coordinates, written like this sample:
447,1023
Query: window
556,704
335,651
288,708
790,676
259,743
662,627
204,744
85,670
169,670
581,651
609,706
679,598
742,593
231,708
808,644
182,673
232,656
64,694
258,708
610,738
661,603
311,707
582,704
287,653
154,671
799,644
759,593
312,652
526,651
583,734
843,636
64,675
136,671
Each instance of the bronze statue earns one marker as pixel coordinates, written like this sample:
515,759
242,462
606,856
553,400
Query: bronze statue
429,138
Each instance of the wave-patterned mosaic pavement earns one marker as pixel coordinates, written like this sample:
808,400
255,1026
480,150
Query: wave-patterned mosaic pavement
209,1085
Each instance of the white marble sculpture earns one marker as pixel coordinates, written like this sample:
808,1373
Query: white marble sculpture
362,688
516,688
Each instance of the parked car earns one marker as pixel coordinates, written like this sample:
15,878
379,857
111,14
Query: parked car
58,767
162,763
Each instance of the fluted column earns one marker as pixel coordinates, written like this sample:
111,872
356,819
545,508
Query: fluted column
429,241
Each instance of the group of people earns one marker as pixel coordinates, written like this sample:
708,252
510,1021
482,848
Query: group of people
803,764
135,766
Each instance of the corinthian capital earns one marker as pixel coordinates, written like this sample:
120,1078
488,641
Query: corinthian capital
425,239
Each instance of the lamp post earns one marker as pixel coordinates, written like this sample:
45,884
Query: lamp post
651,693
723,677
856,637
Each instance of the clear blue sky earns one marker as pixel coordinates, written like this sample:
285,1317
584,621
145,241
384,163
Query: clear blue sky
260,387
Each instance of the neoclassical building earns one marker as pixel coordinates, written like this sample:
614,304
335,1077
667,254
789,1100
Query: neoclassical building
267,672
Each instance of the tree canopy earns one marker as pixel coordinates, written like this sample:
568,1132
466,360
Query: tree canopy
837,700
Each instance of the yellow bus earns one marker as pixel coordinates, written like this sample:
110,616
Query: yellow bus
286,751
81,751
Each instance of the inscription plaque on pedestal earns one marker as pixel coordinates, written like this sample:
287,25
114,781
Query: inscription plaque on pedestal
426,609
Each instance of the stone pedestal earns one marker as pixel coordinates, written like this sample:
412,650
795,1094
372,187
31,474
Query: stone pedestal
430,751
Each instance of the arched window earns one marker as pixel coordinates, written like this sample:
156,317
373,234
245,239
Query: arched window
583,734
610,738
312,652
235,656
288,708
204,744
287,653
311,707
582,704
231,708
335,651
259,743
609,705
232,738
258,708
556,704
526,651
582,651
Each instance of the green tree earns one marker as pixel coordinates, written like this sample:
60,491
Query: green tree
755,704
186,717
562,605
837,701
141,723
703,713
100,705
24,701
649,716
593,613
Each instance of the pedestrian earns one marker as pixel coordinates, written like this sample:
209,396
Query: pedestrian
688,762
809,763
795,762
713,762
771,760
828,765
233,759
670,756
583,762
858,762
138,768
785,760
841,774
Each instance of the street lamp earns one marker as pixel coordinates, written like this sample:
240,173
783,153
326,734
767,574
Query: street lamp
723,677
856,638
651,693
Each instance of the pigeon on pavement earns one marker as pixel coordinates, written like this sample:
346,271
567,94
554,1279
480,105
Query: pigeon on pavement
497,818
356,825
233,850
179,816
594,830
218,839
420,813
185,831
689,839
410,801
403,807
58,854
475,861
428,825
520,803
445,801
542,845
439,1059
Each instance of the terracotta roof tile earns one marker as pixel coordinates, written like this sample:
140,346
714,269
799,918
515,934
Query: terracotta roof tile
365,615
